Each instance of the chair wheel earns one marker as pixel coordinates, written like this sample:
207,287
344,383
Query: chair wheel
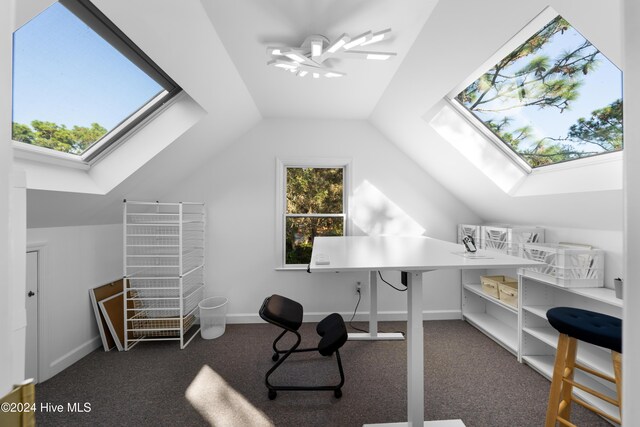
275,357
272,394
337,393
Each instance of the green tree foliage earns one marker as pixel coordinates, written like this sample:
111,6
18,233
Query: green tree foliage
22,133
603,128
58,137
312,191
545,83
541,82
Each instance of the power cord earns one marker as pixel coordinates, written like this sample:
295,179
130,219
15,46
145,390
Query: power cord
355,310
397,289
354,314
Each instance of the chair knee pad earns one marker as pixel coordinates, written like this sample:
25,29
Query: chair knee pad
333,332
282,311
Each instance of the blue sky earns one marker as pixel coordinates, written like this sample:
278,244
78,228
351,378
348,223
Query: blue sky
65,73
600,88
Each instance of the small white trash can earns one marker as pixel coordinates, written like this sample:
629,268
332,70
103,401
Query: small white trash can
213,317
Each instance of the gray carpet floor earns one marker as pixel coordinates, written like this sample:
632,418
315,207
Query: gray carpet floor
221,382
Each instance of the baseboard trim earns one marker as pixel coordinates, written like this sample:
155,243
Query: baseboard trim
70,358
384,316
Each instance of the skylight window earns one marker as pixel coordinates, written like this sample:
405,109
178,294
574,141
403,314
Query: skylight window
554,98
79,84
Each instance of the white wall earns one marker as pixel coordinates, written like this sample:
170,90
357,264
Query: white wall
6,349
75,259
18,239
631,314
238,186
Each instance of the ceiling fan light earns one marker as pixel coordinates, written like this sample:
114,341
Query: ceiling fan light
309,58
274,51
358,40
378,56
295,57
341,41
316,48
285,65
380,35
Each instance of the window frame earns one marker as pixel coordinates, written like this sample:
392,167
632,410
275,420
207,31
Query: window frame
281,201
90,15
531,28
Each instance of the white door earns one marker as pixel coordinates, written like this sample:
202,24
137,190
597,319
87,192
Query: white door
31,354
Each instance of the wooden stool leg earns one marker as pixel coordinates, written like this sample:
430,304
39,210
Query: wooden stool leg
567,388
556,381
616,358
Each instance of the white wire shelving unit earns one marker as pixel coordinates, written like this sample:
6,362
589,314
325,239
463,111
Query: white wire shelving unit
163,271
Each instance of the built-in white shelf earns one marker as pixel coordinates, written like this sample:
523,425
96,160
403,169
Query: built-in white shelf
477,289
538,310
547,335
589,355
497,330
526,332
605,295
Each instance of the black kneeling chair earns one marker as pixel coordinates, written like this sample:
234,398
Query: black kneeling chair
287,314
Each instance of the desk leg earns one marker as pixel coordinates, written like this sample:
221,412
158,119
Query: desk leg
415,351
373,334
415,362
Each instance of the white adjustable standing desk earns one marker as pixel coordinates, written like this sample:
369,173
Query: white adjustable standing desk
416,255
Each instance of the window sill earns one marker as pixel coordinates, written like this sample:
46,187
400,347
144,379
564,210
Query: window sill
292,268
46,155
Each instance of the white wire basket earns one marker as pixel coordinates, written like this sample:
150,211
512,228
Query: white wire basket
154,302
194,278
567,265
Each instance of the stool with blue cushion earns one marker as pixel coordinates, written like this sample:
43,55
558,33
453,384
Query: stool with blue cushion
575,324
287,314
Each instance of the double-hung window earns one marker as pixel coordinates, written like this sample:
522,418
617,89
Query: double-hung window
313,203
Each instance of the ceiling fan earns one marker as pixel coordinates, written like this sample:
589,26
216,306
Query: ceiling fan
316,49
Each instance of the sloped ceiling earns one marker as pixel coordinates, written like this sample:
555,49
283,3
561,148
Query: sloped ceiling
460,35
215,49
247,27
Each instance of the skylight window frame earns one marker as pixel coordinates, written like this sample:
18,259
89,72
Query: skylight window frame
531,28
489,134
90,15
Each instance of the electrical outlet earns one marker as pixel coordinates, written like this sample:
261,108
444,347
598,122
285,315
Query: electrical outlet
358,287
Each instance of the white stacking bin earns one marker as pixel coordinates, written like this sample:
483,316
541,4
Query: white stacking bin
469,230
567,265
509,239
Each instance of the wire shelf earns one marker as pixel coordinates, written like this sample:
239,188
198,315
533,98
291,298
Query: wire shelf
164,270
